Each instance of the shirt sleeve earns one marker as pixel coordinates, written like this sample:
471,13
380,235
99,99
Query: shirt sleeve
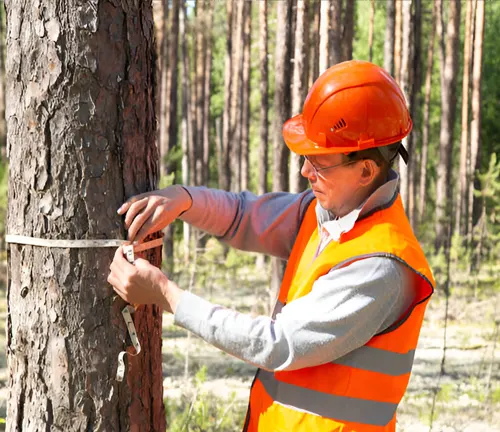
345,309
267,224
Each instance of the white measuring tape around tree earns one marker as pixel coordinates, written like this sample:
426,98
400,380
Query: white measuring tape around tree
129,250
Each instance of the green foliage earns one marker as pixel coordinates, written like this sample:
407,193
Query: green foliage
199,410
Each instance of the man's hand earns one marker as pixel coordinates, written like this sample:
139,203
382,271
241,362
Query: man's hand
142,283
152,211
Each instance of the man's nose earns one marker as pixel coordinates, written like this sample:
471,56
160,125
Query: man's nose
307,170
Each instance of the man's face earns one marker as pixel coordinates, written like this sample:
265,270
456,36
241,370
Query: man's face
338,187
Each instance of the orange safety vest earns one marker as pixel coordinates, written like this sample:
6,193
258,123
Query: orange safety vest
360,391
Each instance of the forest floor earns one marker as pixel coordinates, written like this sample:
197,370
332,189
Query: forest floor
466,397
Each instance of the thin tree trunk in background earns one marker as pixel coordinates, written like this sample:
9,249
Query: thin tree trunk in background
186,123
324,25
81,140
206,102
398,21
245,114
335,33
462,190
236,97
225,175
371,25
389,37
449,69
475,127
348,30
193,30
415,110
264,101
405,84
315,7
427,103
299,86
200,51
163,94
282,113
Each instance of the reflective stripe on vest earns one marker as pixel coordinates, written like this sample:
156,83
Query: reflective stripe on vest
327,405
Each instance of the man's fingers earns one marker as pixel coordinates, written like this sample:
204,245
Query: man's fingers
134,210
143,221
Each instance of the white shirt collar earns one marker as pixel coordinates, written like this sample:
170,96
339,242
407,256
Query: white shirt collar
329,224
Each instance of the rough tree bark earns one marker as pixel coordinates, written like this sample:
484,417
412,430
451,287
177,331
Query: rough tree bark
389,37
425,124
264,89
475,127
462,190
299,86
3,130
245,100
81,139
282,113
449,67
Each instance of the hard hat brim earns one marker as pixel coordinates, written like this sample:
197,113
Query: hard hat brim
297,141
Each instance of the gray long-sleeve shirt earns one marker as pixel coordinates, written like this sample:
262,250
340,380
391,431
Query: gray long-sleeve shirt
345,307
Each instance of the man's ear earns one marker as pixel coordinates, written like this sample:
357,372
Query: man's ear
369,172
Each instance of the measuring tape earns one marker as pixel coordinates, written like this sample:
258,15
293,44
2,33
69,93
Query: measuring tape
129,250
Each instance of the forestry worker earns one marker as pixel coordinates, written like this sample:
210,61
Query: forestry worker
337,352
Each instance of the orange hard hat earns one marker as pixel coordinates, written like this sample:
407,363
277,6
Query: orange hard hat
352,106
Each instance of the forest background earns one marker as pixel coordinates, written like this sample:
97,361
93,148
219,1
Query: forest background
228,74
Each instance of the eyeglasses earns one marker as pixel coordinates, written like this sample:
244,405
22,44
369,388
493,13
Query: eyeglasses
317,170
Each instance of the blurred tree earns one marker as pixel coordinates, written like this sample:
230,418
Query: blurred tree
299,86
371,25
463,189
264,109
389,37
398,31
348,30
448,56
245,100
81,140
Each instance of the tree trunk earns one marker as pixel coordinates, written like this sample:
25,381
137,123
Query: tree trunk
425,132
475,127
225,175
3,130
237,94
462,190
264,88
191,30
315,6
415,110
371,25
186,122
201,49
299,86
449,69
206,103
398,20
173,60
81,135
348,30
324,24
245,112
389,37
282,113
335,33
405,84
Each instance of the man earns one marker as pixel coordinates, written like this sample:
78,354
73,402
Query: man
336,354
